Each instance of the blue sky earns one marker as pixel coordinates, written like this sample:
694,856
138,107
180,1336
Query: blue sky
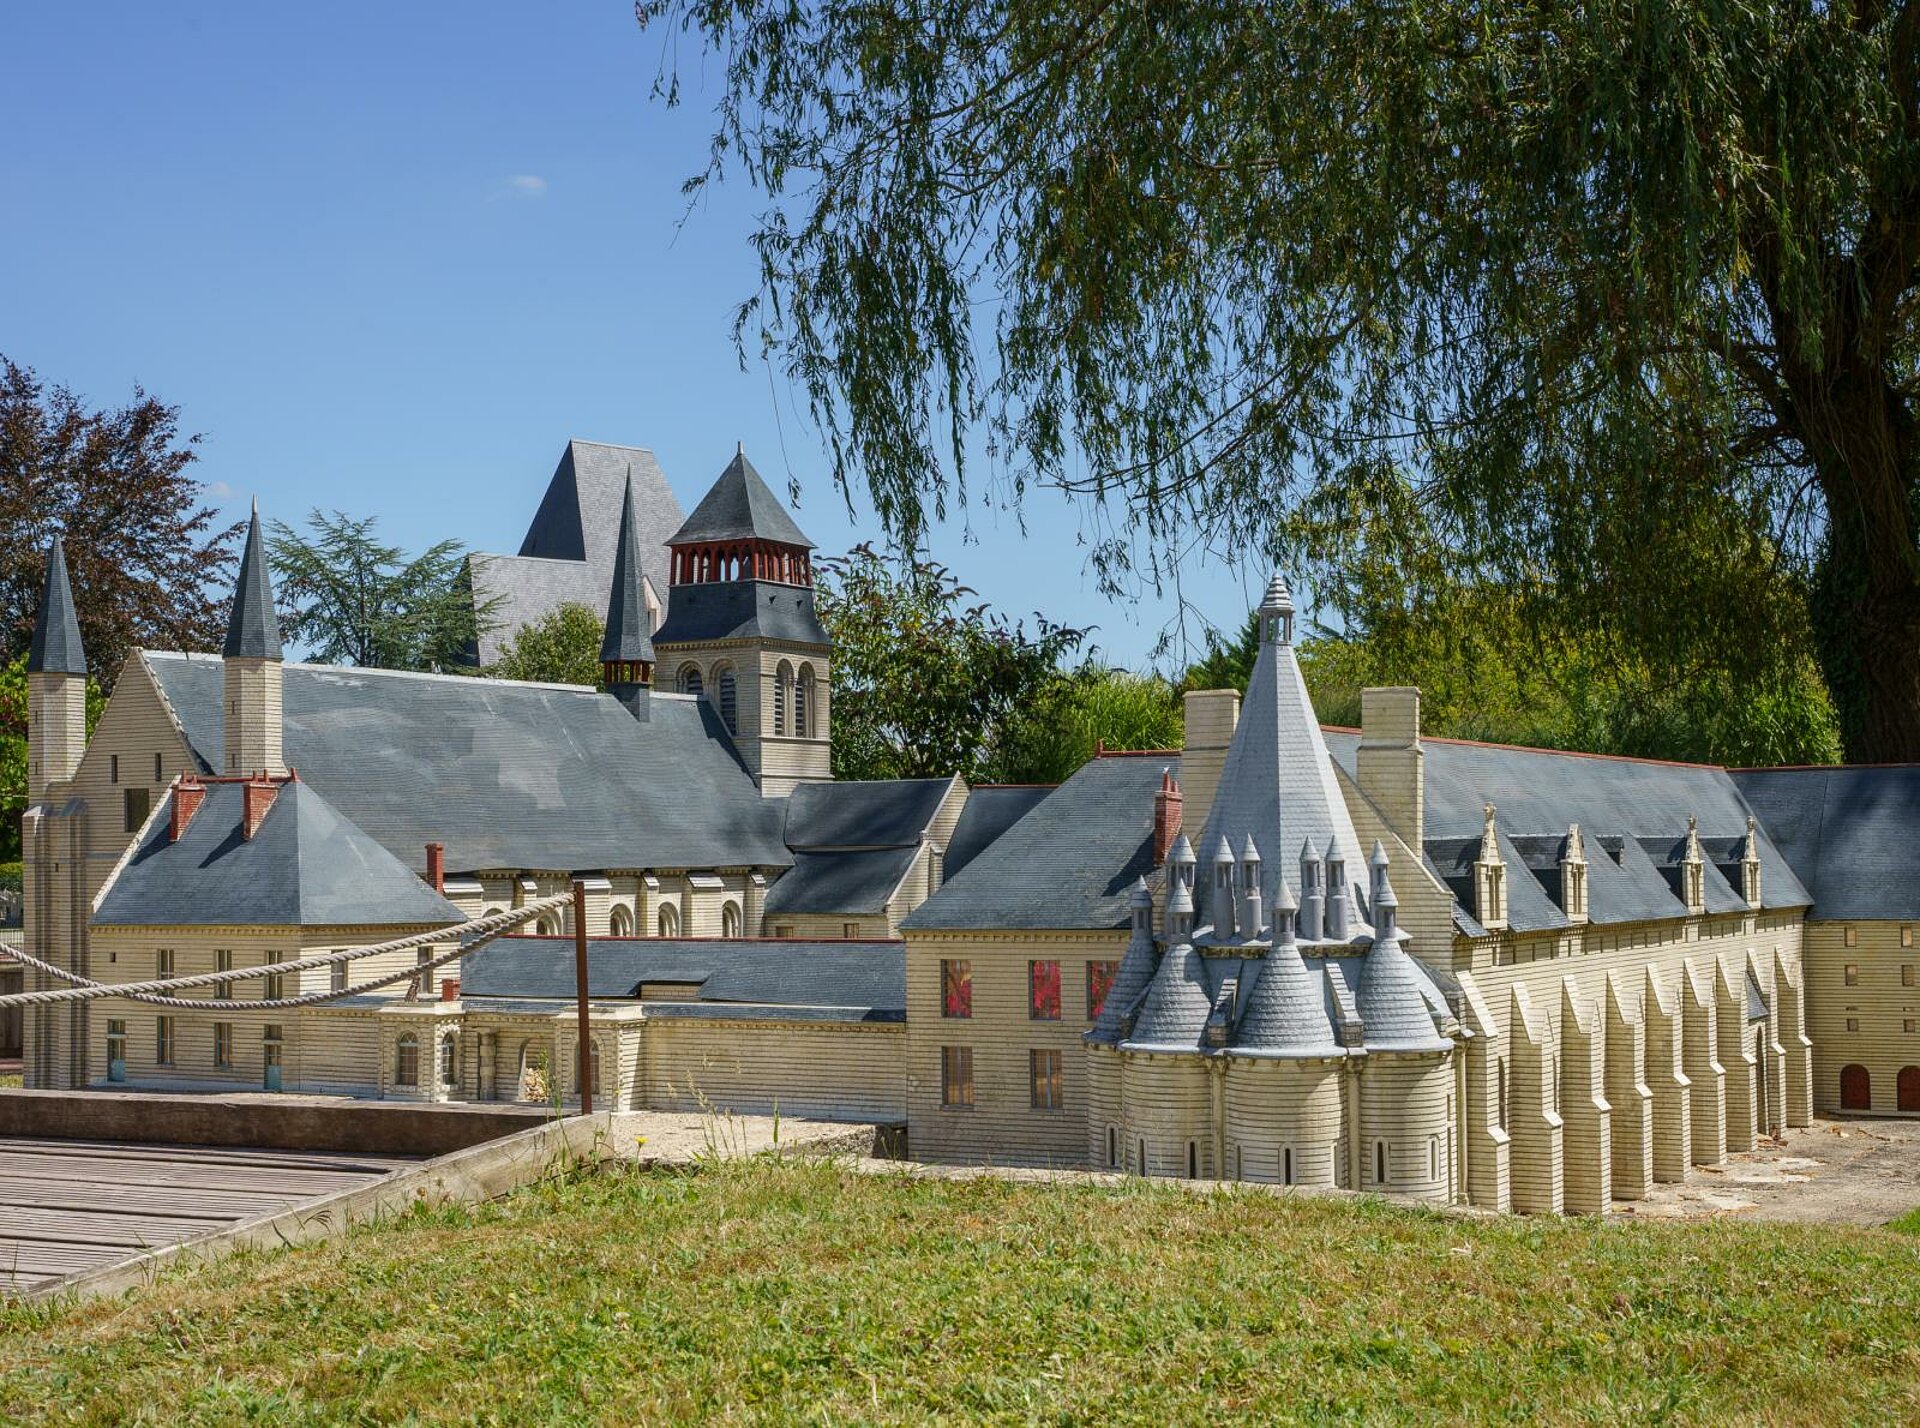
388,258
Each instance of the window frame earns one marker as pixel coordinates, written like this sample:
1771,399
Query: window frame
165,1041
956,1078
136,807
956,974
1045,1079
223,1045
1039,993
1095,1005
406,1060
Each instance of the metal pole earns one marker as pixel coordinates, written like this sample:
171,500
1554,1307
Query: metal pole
580,992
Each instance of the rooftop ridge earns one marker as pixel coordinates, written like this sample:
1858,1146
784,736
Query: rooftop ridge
1569,753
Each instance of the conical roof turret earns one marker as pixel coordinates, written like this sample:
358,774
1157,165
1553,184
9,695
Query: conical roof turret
253,630
740,506
627,640
56,647
1177,1005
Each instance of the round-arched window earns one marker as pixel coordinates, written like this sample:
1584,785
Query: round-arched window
669,920
620,921
730,920
688,681
803,703
406,1061
729,699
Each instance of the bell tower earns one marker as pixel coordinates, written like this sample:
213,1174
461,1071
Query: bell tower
252,721
56,684
742,634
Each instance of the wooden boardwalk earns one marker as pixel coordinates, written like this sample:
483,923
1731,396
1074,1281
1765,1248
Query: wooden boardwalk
72,1205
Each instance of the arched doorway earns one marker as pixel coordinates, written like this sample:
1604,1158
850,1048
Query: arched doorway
1856,1089
1909,1088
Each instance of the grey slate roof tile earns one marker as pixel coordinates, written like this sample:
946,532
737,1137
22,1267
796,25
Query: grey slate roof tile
253,629
870,976
741,610
305,866
740,506
56,645
873,813
567,556
859,881
1849,834
991,810
1068,863
626,638
506,775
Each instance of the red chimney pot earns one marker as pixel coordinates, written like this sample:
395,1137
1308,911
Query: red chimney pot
257,796
188,794
437,866
449,989
1168,808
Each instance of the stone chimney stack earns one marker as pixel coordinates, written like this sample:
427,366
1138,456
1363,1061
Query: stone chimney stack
1168,809
1211,717
257,794
437,866
1390,766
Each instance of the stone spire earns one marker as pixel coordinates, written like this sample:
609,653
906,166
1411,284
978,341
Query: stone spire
253,631
626,651
56,647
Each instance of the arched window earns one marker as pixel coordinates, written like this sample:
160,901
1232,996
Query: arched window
730,920
449,1061
688,681
406,1061
1856,1089
669,920
729,699
493,912
1908,1089
782,695
620,921
803,703
543,927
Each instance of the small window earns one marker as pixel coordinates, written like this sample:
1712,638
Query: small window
783,929
1379,1162
803,702
956,988
1852,937
163,1040
1906,936
1043,991
1907,1026
1853,1023
1113,1147
163,967
406,1061
1906,974
1193,1160
136,803
223,962
689,680
1851,972
669,920
1286,1165
850,930
936,868
1501,1090
113,768
159,770
782,682
1099,982
730,919
337,976
1433,1157
956,1075
448,1060
223,1044
620,922
729,701
1043,1071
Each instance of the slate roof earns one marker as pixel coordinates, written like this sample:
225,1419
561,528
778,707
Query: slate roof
990,811
876,813
56,647
740,506
506,775
253,630
305,866
567,556
742,610
626,638
1068,863
1848,832
1539,792
870,976
858,881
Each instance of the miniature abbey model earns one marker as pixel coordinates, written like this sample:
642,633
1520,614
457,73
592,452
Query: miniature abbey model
1506,977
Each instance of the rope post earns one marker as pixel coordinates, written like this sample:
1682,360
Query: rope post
580,993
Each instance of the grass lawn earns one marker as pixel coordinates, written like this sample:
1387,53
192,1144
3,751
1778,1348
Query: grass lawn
767,1292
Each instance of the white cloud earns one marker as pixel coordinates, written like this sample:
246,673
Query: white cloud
526,186
218,490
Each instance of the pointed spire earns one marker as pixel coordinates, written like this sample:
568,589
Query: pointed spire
1276,613
740,506
626,640
56,647
253,632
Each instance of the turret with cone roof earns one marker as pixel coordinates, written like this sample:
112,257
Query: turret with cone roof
626,650
741,631
252,733
56,683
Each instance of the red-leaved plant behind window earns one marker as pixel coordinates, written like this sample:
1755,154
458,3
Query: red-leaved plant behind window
1043,985
956,989
1099,983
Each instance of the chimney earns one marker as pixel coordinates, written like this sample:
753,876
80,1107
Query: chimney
257,794
1167,802
437,866
1390,766
449,989
1211,716
188,794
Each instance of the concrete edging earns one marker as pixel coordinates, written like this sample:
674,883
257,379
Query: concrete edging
480,1172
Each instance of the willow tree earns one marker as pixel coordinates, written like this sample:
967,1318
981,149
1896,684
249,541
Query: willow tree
1623,293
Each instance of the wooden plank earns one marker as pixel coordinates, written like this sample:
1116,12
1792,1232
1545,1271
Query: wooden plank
154,1199
114,1171
210,1154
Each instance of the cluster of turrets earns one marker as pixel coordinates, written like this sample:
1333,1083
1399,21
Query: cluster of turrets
1325,911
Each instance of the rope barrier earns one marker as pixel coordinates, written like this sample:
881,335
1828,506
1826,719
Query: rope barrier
154,992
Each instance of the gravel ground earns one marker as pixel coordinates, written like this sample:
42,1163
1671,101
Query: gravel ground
1834,1172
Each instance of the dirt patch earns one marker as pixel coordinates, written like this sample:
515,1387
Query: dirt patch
1834,1172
